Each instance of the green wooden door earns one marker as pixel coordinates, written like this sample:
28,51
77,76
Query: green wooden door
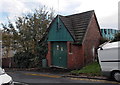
59,54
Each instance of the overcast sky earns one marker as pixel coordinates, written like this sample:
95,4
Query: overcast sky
106,10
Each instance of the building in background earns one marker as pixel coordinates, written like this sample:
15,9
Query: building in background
6,52
7,57
109,33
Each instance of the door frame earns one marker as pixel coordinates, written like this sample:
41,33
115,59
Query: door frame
52,55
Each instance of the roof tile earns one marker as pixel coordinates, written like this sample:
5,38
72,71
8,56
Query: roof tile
77,24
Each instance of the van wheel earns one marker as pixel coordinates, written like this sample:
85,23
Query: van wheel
117,76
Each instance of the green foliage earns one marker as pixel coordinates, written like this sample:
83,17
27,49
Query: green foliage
117,37
27,36
91,69
103,40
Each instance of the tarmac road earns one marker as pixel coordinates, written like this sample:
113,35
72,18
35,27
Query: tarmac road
40,78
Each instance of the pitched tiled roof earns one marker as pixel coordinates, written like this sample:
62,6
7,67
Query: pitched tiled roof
77,24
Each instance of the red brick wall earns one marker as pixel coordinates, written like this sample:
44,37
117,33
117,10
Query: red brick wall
91,40
48,57
6,62
75,58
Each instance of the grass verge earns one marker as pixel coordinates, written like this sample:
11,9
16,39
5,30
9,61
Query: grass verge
92,69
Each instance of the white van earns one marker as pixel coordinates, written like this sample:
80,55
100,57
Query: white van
109,59
5,79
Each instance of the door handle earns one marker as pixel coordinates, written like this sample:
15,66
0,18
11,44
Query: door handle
60,58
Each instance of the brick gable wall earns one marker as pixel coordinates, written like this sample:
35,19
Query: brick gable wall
91,41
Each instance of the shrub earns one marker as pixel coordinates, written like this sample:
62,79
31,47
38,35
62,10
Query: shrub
24,59
117,37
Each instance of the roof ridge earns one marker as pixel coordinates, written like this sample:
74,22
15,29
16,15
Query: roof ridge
79,13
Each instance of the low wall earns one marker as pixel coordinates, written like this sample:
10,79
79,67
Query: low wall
8,62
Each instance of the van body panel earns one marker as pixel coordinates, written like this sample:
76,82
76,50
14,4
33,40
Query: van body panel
109,57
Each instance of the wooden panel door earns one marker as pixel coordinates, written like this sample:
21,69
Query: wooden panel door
59,54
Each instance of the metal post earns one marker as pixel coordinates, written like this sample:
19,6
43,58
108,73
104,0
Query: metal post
0,48
118,29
